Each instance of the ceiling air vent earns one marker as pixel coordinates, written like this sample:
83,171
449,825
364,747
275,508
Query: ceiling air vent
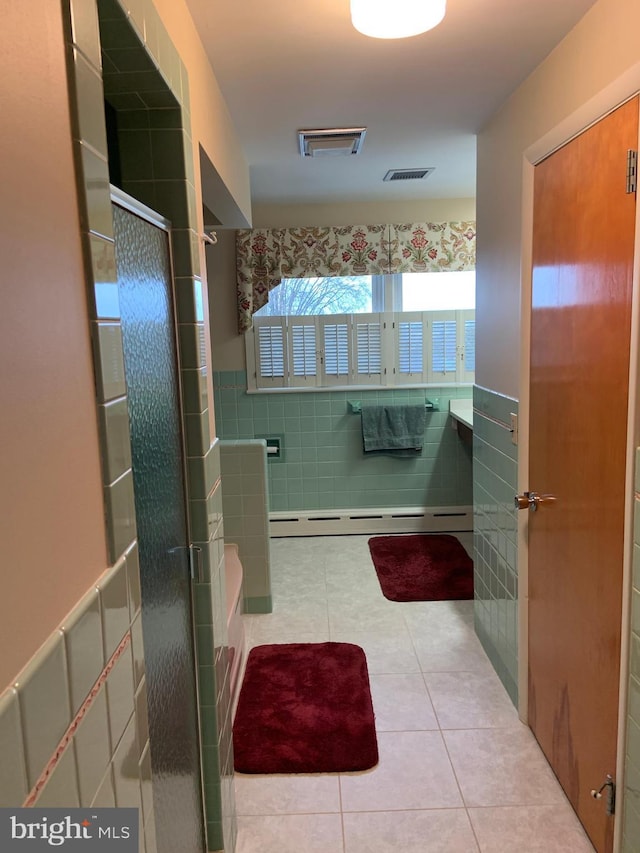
407,174
333,142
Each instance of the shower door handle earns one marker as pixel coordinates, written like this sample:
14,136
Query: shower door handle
194,555
195,563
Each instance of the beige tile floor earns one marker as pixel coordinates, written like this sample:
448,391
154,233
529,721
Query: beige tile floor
458,772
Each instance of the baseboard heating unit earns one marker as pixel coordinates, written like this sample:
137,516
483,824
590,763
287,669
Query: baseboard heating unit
444,519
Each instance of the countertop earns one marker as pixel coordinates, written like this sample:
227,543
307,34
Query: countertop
462,411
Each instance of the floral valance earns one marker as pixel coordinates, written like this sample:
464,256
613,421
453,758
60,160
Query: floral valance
266,256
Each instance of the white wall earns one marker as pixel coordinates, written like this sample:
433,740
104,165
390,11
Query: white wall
363,213
227,346
590,71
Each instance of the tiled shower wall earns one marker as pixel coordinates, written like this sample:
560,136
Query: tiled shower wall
78,711
322,465
631,792
495,480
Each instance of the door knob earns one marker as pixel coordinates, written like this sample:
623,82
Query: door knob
532,500
522,501
610,785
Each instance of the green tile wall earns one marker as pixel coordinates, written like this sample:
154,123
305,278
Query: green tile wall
73,724
323,465
495,479
631,790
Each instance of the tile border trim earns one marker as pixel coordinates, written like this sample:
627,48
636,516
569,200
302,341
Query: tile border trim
493,420
68,735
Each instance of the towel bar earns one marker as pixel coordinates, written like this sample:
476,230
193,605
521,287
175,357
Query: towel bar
355,406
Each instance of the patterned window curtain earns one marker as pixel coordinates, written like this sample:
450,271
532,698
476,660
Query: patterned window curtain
265,256
258,260
432,247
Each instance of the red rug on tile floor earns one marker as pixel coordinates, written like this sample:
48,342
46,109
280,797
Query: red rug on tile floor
305,708
422,567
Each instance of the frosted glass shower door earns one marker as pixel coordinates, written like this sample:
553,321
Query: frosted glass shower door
148,330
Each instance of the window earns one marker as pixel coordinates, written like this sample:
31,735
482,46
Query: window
410,329
436,291
339,295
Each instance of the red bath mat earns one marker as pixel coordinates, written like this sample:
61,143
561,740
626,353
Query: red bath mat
305,708
422,567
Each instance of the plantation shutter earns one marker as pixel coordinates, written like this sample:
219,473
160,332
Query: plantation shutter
443,346
337,354
410,340
271,356
406,348
368,368
467,364
303,360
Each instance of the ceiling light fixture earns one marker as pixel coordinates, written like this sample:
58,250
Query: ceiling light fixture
396,19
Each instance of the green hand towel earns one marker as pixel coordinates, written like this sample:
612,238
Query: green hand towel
393,428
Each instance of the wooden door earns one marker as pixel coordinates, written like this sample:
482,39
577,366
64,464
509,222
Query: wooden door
583,244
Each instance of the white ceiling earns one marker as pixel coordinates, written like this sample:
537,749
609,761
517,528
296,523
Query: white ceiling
283,65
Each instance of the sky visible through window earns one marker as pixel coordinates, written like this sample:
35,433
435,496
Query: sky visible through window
298,296
439,291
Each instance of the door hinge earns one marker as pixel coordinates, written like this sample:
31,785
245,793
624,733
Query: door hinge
632,171
610,785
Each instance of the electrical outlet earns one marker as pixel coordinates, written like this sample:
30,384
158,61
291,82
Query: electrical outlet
513,420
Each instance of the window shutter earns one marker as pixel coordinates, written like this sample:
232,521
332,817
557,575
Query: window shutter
367,330
271,368
467,344
303,351
444,346
335,334
369,347
470,345
410,339
378,349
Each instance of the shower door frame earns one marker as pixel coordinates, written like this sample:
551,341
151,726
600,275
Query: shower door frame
152,217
